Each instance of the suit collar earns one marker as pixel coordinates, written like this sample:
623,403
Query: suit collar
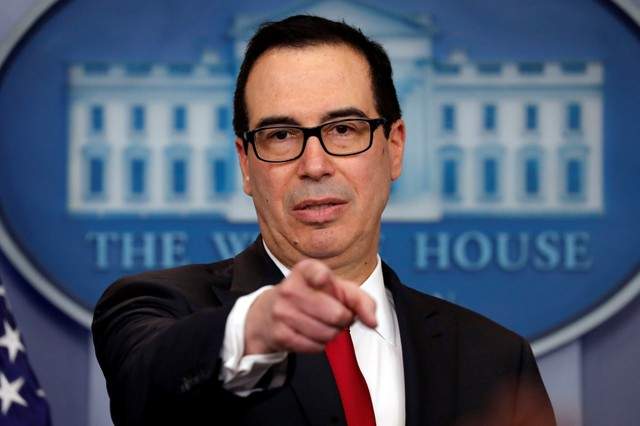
428,352
250,270
253,269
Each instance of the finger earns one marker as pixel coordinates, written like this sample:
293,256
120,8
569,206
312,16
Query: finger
314,273
320,303
290,340
358,301
326,308
310,327
314,330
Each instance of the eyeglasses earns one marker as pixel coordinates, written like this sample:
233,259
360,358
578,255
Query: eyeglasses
278,144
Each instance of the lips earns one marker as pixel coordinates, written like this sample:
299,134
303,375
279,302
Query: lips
318,203
319,210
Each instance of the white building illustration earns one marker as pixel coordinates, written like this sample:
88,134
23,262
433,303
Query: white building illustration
500,138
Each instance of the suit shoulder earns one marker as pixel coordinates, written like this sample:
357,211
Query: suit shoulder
470,325
215,273
193,281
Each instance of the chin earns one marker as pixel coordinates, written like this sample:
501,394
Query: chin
323,243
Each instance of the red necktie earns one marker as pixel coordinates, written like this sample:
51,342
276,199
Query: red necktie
353,390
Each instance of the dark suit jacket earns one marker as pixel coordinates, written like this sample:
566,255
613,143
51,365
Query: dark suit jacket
158,337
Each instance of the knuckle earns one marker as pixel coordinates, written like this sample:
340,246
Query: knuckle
280,335
329,334
341,316
279,311
287,289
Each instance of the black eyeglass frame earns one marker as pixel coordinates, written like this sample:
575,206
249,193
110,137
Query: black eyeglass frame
248,137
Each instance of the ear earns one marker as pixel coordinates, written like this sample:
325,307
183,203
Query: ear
396,141
243,160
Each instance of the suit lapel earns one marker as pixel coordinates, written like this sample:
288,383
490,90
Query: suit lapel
309,375
316,390
250,270
428,353
253,268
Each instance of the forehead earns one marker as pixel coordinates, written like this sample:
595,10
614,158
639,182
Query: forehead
304,83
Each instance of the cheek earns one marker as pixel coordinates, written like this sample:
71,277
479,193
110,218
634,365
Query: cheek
372,184
268,187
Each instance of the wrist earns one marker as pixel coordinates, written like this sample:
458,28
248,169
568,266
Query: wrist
255,341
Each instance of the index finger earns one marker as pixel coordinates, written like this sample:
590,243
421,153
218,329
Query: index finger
357,300
315,273
320,277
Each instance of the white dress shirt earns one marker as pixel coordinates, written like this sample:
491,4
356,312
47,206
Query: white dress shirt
378,352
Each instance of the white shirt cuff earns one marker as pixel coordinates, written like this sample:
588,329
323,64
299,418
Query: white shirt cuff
240,374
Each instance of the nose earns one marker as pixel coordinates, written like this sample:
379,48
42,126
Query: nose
315,163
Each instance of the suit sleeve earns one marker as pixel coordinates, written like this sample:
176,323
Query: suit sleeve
532,404
159,357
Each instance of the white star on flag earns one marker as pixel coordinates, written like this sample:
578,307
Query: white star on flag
10,393
11,341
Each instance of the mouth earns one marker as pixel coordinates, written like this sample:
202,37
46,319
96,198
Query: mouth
319,210
317,204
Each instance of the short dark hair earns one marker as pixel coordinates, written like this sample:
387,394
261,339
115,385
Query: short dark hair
303,31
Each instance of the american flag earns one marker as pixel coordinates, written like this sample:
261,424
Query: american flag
22,401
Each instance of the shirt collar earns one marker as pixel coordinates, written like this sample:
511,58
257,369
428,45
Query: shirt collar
374,287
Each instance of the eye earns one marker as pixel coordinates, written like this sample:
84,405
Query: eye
279,134
342,129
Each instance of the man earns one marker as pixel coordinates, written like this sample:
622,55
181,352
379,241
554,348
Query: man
261,339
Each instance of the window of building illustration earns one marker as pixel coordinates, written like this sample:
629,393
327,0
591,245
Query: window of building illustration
490,177
531,118
450,171
444,68
138,69
179,176
136,160
138,118
489,171
531,68
448,119
532,177
450,178
96,68
217,166
95,156
138,170
489,118
180,69
180,118
574,178
573,164
489,68
574,117
574,67
178,164
223,118
96,119
219,176
96,176
530,166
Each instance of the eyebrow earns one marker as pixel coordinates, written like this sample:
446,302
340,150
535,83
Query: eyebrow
331,115
343,112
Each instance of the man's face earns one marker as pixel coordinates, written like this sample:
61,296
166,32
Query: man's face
318,206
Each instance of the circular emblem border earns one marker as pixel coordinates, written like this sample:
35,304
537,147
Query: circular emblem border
587,321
